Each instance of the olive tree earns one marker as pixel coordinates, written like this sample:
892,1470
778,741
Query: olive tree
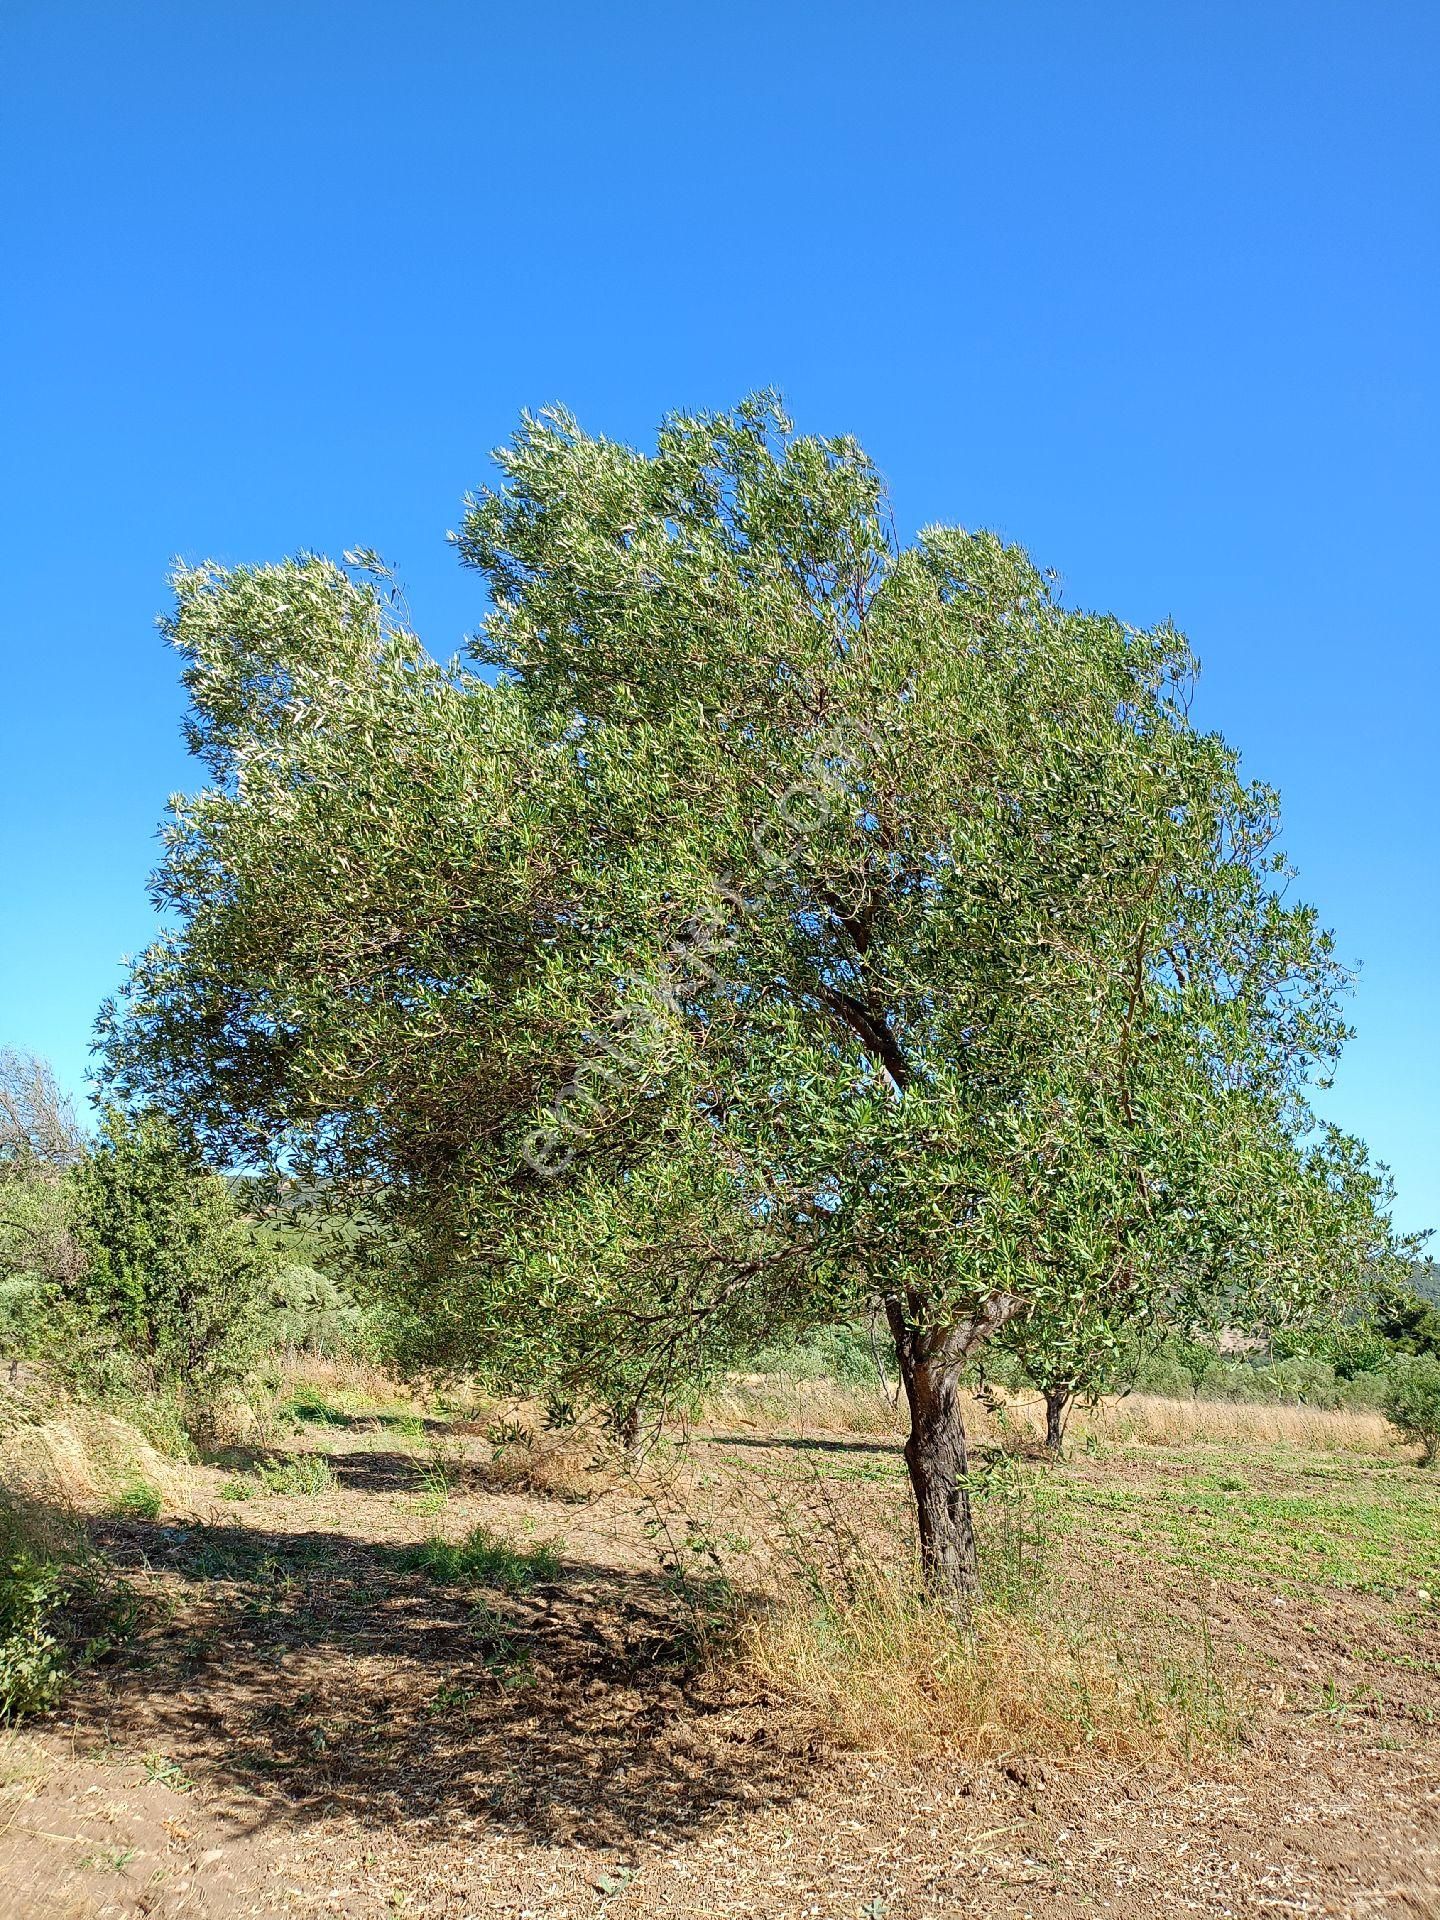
784,919
1322,1209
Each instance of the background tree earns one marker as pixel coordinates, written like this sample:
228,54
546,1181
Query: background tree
40,1142
1412,1401
39,1134
1406,1320
1323,1213
173,1282
803,921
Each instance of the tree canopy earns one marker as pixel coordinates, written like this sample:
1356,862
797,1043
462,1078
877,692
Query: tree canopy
772,917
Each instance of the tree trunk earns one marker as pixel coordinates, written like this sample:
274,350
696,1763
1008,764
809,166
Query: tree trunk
931,1361
1057,1400
939,1469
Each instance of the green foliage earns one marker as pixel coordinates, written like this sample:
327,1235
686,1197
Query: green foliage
33,1665
1180,1369
1408,1322
171,1289
484,1559
40,1255
297,1473
138,1500
310,1312
1393,1316
56,1615
1176,1368
844,1353
784,920
1338,1251
1412,1401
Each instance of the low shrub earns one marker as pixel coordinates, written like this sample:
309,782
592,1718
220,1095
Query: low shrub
33,1664
1412,1401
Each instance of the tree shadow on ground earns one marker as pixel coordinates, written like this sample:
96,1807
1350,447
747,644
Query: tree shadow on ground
804,1443
358,1472
304,1675
377,1472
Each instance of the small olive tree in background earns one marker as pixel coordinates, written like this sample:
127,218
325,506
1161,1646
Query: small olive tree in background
787,920
1322,1209
40,1143
39,1135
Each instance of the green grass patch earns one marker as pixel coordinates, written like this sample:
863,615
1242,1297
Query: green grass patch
298,1473
138,1500
1365,1533
410,1426
310,1410
484,1559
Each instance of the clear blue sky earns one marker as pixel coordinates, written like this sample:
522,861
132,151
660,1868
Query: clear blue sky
1152,288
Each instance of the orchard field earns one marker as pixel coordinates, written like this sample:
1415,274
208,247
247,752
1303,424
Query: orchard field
434,1659
711,1273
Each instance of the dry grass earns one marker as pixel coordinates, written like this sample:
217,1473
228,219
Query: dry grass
1043,1671
572,1464
342,1378
61,1460
1141,1420
885,1668
771,1403
24,1766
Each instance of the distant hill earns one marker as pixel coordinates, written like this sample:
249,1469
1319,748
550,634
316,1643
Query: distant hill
1425,1279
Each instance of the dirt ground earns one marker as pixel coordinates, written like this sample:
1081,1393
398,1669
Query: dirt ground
307,1724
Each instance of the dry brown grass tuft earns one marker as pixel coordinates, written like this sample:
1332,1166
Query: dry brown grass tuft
24,1766
62,1460
886,1668
771,1403
1145,1421
571,1463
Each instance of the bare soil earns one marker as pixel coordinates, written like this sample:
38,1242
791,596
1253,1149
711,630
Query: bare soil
305,1725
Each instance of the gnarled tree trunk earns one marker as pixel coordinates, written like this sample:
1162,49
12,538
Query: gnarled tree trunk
1057,1401
931,1361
